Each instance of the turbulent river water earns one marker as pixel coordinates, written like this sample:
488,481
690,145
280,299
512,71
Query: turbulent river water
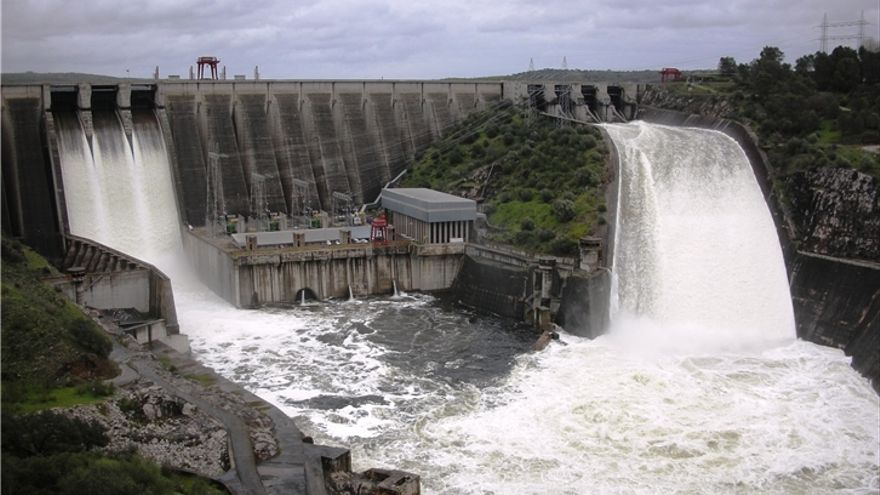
699,387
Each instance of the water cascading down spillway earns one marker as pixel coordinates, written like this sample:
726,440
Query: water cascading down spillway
697,258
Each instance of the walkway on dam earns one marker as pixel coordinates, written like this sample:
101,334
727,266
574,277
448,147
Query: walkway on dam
297,469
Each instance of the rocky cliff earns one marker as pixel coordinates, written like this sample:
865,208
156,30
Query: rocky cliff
836,212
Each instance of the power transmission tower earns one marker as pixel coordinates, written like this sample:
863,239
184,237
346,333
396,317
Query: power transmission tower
825,38
531,65
564,63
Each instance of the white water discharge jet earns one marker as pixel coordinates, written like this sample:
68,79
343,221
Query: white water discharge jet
81,178
729,403
697,255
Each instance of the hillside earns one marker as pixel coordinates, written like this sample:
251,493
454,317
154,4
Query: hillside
540,183
48,346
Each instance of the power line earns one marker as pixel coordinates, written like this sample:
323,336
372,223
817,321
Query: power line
823,40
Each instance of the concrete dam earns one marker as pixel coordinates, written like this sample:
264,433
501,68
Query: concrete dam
655,405
250,147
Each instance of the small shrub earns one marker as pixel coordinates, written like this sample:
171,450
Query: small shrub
455,156
546,195
527,224
96,388
545,235
48,432
523,238
563,209
90,337
564,247
525,194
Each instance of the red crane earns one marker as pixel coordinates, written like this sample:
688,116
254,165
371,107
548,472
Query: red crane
210,62
379,229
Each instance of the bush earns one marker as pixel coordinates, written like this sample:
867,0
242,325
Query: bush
563,209
90,337
589,142
47,433
545,235
455,156
77,473
546,195
523,238
564,247
585,177
96,388
527,224
525,194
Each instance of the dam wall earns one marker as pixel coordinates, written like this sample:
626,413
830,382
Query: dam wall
835,300
252,147
246,147
30,211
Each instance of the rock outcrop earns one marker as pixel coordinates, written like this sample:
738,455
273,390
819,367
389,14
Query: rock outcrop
161,428
836,212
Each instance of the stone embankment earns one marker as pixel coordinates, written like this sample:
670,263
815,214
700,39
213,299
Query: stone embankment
178,413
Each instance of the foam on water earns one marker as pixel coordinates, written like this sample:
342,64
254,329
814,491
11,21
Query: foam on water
670,401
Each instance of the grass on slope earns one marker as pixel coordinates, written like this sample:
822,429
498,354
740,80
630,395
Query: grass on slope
49,347
539,182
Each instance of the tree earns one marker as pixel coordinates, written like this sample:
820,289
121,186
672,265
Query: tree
768,72
563,209
727,66
805,65
870,65
847,72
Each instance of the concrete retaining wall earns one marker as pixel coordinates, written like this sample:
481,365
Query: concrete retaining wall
111,279
492,286
583,308
265,276
213,267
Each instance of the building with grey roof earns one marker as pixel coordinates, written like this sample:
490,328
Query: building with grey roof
428,216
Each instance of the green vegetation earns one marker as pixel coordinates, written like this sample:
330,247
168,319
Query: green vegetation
50,350
820,113
54,356
40,399
539,182
84,472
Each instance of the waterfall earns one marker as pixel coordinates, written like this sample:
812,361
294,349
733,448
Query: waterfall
120,195
697,254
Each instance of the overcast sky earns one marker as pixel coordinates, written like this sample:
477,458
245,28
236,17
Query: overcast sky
414,39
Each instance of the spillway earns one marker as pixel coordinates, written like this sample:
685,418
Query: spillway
700,387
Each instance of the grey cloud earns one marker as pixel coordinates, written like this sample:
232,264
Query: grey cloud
398,38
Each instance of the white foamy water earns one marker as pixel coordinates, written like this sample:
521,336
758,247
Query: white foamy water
700,388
